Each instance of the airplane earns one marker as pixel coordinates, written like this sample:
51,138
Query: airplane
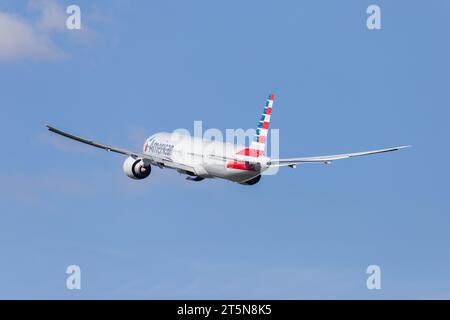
201,159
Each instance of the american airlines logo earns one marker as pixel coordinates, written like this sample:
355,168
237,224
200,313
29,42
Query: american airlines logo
159,148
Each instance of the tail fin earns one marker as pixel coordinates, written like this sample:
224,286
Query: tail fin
258,144
259,141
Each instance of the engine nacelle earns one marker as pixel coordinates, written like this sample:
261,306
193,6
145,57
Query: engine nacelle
136,168
252,181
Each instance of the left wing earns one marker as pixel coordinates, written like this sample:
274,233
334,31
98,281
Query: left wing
327,159
136,155
96,144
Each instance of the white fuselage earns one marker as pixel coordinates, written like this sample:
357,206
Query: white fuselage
203,158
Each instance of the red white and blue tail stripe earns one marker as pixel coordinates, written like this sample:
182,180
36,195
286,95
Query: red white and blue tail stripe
258,144
259,141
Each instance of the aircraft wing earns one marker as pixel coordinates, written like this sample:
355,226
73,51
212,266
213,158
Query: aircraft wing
97,144
154,160
327,159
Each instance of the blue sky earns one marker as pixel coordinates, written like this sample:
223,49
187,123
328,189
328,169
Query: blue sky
137,68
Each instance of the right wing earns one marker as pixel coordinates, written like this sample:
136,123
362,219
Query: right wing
327,159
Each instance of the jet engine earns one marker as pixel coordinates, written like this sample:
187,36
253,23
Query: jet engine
252,181
136,168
